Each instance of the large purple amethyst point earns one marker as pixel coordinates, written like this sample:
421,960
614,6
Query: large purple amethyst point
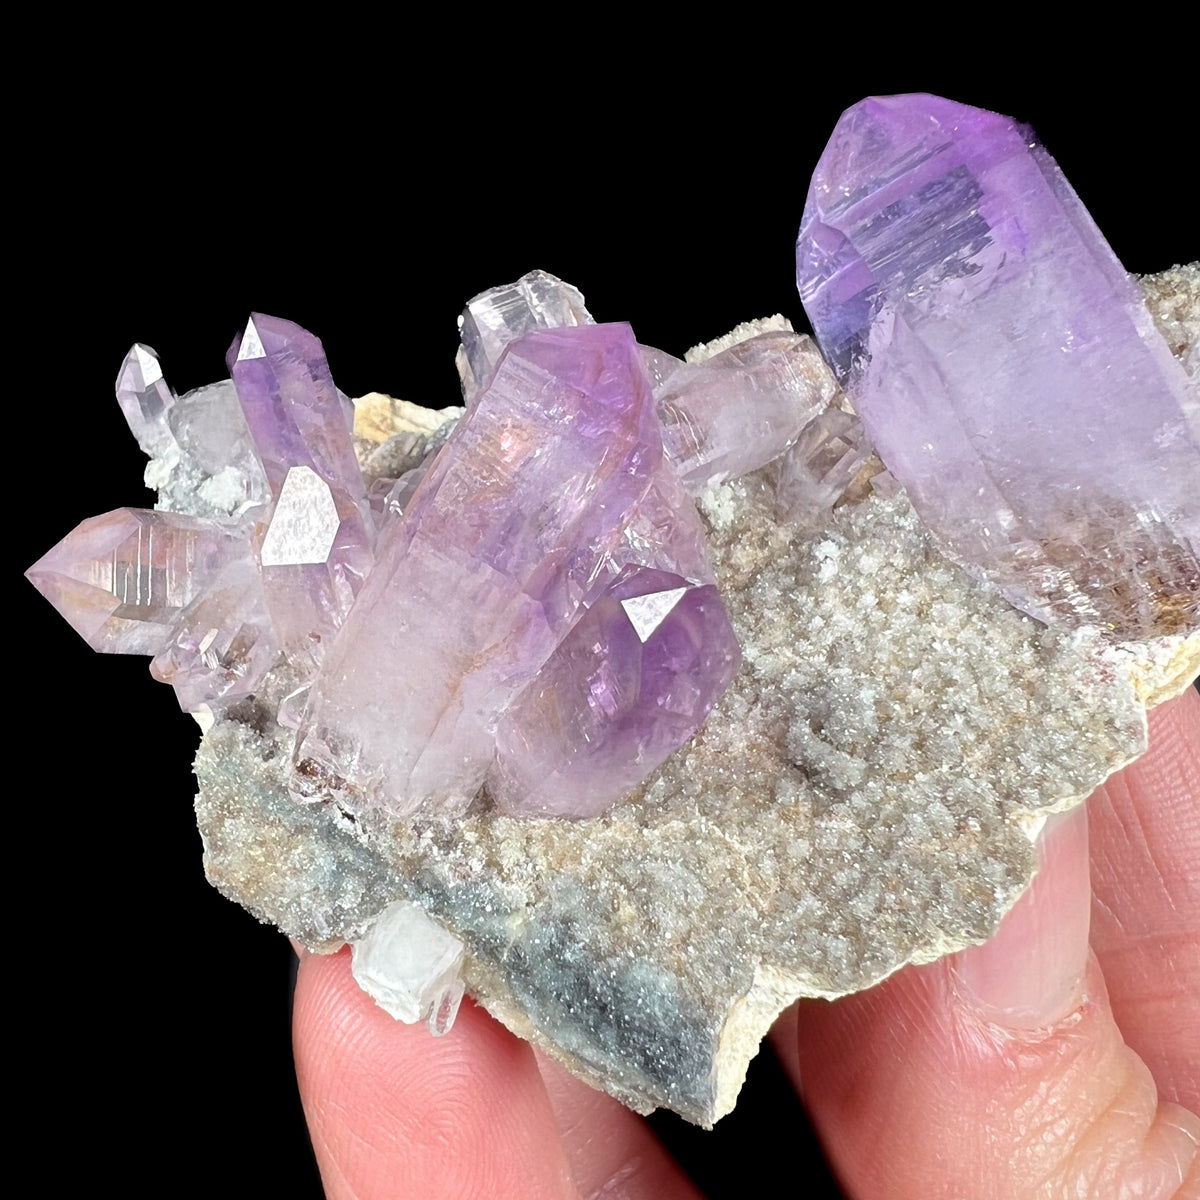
1004,364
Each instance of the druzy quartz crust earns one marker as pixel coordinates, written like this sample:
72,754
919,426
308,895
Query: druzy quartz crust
641,695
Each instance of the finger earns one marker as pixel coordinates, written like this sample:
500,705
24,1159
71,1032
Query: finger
394,1112
1145,831
613,1154
998,1073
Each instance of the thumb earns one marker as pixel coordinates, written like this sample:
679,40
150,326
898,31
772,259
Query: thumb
999,1072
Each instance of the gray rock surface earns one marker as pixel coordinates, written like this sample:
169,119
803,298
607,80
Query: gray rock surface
861,798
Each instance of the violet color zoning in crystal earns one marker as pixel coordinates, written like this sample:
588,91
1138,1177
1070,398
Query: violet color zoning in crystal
297,420
635,677
1004,364
292,407
522,520
123,578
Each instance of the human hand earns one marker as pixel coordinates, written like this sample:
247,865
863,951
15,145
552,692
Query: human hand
1023,1068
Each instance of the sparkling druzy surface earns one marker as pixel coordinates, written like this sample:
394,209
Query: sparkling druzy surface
1004,363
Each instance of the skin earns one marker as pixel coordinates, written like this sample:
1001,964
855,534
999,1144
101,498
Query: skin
1043,1064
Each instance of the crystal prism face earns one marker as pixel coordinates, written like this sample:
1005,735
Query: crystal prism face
1004,365
145,399
524,516
816,472
123,579
503,314
304,522
629,685
293,409
741,408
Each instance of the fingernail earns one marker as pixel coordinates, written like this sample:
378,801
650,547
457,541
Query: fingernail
299,949
1030,973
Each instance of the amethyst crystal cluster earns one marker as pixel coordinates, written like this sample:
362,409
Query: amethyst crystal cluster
532,609
526,607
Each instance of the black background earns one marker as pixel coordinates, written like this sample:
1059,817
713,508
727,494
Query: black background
170,200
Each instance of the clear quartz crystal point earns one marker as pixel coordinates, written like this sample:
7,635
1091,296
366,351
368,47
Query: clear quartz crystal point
315,544
741,408
1004,364
411,967
145,399
516,523
502,314
123,579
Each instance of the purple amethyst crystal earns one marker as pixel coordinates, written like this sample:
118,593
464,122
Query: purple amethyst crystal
315,544
1004,365
631,682
524,520
122,579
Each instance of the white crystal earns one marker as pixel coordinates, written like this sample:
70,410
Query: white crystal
410,966
647,613
305,521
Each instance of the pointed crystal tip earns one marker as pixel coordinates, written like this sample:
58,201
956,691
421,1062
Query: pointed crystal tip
145,398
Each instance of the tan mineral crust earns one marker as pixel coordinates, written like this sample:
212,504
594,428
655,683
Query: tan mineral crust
864,796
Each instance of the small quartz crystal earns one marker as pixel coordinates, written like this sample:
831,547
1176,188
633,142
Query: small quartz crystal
315,548
124,578
743,407
503,314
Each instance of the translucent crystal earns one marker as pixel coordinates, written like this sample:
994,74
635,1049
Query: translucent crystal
211,468
743,407
316,546
517,521
145,399
815,473
1004,364
410,966
222,644
123,579
502,314
632,681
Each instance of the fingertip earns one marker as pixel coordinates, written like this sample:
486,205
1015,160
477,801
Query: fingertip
393,1111
1030,973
